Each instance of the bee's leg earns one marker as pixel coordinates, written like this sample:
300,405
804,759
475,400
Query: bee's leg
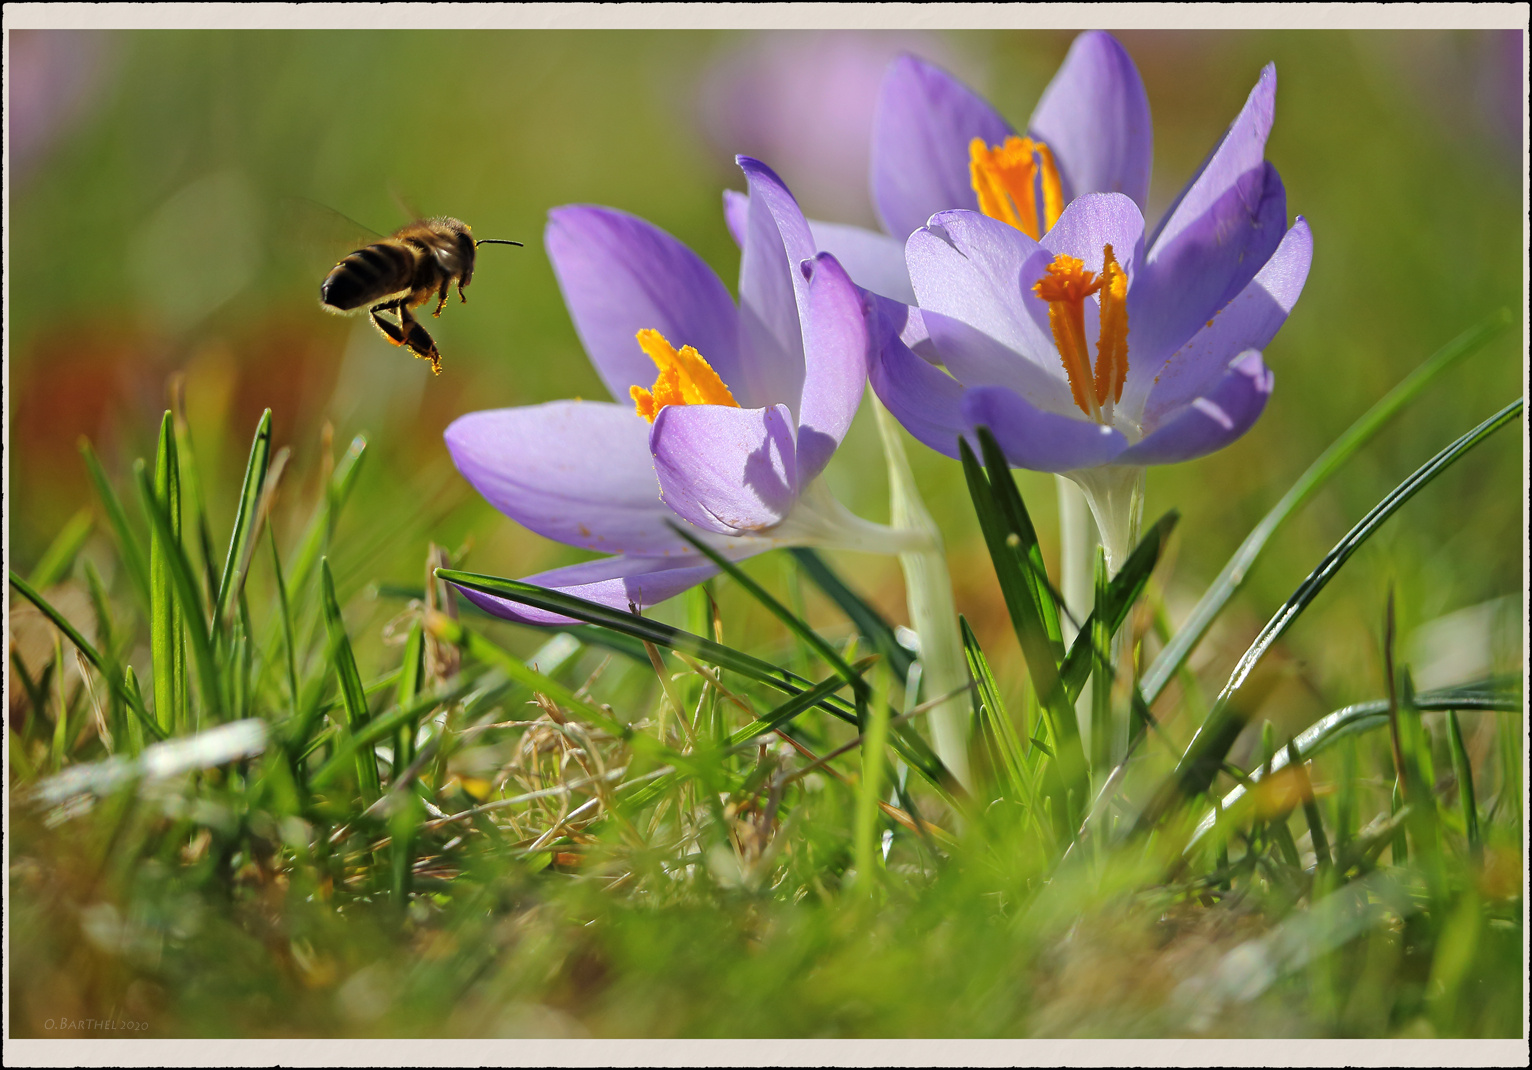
462,280
441,295
398,335
419,340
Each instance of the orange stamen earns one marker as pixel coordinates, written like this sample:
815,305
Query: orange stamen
1065,288
685,378
1112,343
1006,178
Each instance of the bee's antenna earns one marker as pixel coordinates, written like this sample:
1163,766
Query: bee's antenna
496,241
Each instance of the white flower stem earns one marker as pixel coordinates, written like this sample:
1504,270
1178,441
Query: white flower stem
933,615
1116,498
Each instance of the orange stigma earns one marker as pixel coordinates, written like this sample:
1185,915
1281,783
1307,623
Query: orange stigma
684,378
1065,288
1006,178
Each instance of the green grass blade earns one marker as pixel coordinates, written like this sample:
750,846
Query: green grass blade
877,631
356,747
128,546
245,520
1364,717
102,663
1099,632
870,790
1232,578
1462,769
794,623
192,481
911,747
781,715
1311,814
167,646
411,679
645,630
184,587
1021,537
284,610
352,694
1008,535
316,539
58,558
1122,592
995,727
1205,754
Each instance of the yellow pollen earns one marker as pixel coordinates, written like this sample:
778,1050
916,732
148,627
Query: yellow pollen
684,378
1065,288
1005,178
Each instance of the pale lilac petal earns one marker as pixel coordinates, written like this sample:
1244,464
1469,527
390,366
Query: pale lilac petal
1211,421
1094,115
835,342
1182,283
1242,149
1223,227
620,274
615,582
1087,226
873,260
575,471
973,276
736,214
920,135
1037,440
730,471
772,293
1250,321
926,400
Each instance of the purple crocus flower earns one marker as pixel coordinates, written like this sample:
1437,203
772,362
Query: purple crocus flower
1175,324
1090,133
725,415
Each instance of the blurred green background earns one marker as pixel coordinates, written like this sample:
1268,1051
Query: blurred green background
150,233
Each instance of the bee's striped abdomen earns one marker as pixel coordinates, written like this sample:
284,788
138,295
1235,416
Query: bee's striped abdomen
368,274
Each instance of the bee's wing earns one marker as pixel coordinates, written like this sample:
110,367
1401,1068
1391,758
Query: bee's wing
316,237
405,204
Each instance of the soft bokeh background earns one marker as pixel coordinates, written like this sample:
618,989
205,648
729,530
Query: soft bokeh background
152,231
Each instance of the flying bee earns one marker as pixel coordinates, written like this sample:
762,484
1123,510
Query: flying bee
401,272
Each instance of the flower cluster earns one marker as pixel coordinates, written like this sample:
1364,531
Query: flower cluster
1015,286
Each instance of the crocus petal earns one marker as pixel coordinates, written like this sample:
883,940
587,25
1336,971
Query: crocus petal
926,400
1250,321
835,364
575,471
736,214
1180,285
973,276
730,471
1224,227
1038,440
1087,226
1211,421
920,135
616,582
1094,115
620,274
874,261
1241,150
772,292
